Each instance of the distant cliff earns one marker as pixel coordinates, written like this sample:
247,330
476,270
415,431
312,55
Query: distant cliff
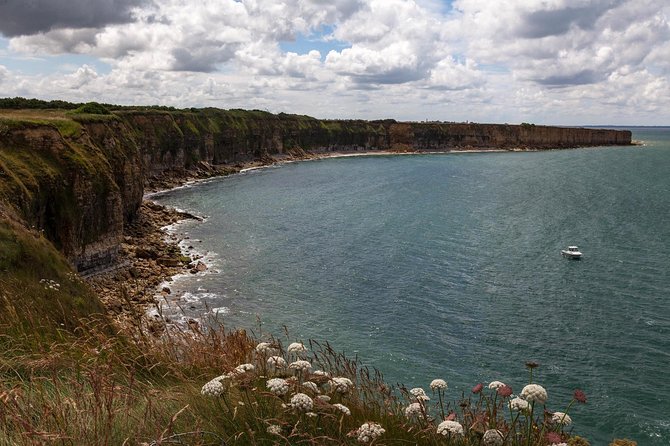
80,177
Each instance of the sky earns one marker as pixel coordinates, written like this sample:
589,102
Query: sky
560,62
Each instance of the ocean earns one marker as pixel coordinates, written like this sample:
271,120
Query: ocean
448,266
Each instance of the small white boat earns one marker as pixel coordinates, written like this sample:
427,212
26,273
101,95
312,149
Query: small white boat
572,253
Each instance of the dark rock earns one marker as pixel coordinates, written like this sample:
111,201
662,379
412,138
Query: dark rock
167,261
146,253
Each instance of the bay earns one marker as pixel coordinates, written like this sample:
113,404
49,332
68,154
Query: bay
448,266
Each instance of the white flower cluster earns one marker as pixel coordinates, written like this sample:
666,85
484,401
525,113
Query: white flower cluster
518,404
265,348
212,388
413,410
493,437
276,362
278,386
342,408
50,284
420,394
321,373
438,384
534,392
274,429
311,386
369,431
300,366
324,398
244,368
495,385
302,402
561,418
297,347
448,427
341,384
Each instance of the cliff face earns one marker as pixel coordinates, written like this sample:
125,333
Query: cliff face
80,179
65,188
525,136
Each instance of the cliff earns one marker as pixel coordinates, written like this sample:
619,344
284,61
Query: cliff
80,178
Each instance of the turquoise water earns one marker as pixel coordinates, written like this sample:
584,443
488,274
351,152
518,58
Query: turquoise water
448,266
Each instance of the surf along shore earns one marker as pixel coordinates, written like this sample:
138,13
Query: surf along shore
150,256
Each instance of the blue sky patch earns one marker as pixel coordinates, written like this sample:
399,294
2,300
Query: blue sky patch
303,44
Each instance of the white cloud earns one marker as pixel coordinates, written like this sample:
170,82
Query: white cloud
553,61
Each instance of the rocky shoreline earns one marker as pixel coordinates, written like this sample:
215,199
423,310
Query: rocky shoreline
149,256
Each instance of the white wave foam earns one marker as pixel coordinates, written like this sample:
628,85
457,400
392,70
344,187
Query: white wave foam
220,310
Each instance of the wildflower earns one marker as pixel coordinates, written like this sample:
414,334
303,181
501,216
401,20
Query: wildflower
321,373
580,396
274,429
212,388
244,368
450,427
478,388
561,418
534,392
278,386
341,385
369,431
553,438
300,366
413,410
297,347
518,404
265,348
493,437
495,385
276,362
417,391
420,394
302,402
311,386
504,391
438,384
324,398
342,408
532,364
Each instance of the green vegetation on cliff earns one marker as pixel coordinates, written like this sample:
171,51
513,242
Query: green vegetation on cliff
40,294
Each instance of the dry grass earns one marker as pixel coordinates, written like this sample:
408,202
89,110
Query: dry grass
139,389
34,114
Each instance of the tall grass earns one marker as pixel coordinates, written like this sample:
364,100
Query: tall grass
191,386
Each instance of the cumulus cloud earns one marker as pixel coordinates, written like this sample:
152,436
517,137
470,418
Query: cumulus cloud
392,42
559,42
26,17
557,19
504,61
4,73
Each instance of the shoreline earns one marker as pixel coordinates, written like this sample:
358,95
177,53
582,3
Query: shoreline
150,256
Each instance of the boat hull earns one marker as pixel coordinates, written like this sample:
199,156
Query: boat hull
571,255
